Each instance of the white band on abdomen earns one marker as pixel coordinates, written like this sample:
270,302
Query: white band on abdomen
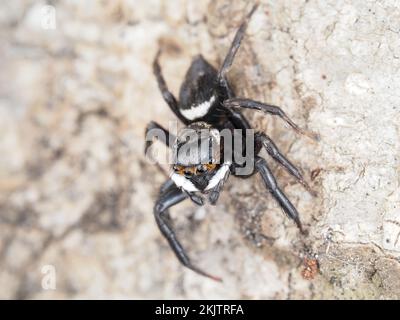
198,111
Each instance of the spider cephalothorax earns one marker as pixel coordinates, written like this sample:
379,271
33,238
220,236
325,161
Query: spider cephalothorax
197,166
208,107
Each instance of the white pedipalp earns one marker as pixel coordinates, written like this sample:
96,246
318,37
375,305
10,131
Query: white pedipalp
183,183
198,111
220,175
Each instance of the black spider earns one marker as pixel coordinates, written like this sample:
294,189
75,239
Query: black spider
207,101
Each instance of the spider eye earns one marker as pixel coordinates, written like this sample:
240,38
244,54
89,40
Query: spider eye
211,166
178,169
188,173
201,168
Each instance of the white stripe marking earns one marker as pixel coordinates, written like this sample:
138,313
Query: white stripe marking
183,183
220,175
198,111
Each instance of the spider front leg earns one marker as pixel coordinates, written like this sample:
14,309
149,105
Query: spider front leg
170,197
277,193
167,95
274,152
270,109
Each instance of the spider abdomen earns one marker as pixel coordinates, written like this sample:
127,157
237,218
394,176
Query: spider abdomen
200,94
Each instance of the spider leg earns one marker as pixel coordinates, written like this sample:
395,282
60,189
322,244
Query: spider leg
270,109
196,199
215,192
274,152
172,196
152,130
238,119
277,193
166,186
234,48
167,95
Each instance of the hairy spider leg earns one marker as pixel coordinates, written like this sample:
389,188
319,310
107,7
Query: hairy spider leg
166,185
170,197
276,192
273,151
235,116
270,109
233,49
167,95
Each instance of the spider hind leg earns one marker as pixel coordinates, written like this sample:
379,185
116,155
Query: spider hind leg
276,192
169,98
226,65
265,141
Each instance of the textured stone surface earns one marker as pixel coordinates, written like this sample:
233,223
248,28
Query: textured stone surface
77,193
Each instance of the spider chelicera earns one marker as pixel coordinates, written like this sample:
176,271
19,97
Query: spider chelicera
206,100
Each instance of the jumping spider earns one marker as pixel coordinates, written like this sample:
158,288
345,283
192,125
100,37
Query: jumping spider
206,100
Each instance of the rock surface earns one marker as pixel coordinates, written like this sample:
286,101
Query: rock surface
76,192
